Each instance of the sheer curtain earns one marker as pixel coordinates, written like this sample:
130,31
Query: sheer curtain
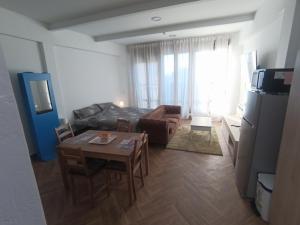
190,72
175,73
145,75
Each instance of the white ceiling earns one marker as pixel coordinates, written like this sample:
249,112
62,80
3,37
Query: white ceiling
100,18
50,11
203,31
171,15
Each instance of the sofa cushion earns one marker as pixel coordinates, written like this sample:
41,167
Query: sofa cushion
106,105
172,120
177,116
157,113
172,128
87,111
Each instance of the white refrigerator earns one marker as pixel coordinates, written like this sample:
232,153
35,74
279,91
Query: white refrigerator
260,138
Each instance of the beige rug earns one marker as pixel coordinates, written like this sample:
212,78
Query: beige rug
195,141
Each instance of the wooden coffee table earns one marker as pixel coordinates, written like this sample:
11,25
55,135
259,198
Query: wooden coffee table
201,124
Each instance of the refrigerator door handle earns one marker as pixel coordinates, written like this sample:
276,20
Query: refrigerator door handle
251,125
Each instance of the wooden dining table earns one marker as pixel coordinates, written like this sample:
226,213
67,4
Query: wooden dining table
110,151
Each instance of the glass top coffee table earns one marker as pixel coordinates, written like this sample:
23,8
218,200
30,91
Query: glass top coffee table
201,124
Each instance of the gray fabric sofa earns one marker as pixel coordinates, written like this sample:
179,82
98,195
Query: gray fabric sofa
104,116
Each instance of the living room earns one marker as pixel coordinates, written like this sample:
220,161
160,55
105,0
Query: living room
96,53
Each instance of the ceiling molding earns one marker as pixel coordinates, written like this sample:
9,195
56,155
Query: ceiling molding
175,27
130,9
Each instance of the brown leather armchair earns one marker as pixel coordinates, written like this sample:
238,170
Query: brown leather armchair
161,123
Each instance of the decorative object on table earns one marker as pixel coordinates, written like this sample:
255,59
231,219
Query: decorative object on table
41,112
126,144
199,143
103,138
104,135
64,132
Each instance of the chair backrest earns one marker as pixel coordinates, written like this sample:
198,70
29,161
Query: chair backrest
138,148
123,125
63,132
73,159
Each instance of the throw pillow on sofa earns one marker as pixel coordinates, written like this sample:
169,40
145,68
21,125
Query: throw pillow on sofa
172,120
87,111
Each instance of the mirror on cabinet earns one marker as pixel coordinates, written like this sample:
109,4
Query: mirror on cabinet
41,96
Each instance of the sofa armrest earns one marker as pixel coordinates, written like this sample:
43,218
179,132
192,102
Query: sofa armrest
157,130
172,109
153,124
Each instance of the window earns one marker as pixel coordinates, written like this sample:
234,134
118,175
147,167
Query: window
182,78
192,73
168,79
146,87
141,84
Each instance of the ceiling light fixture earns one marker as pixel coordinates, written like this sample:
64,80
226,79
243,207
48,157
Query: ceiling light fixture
156,18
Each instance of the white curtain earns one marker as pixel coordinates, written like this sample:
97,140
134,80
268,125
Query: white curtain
145,75
190,72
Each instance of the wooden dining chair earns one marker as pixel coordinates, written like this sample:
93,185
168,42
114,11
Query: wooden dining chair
123,125
76,165
120,167
138,160
64,132
145,153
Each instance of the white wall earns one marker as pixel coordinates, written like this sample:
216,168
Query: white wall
87,77
294,37
288,16
235,75
20,202
21,55
268,34
28,46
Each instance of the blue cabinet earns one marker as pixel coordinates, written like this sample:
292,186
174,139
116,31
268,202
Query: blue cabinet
41,111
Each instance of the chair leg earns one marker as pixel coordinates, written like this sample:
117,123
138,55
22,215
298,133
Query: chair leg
91,188
133,187
107,182
142,175
120,177
73,190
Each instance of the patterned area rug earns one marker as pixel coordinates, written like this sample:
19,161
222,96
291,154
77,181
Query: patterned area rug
195,141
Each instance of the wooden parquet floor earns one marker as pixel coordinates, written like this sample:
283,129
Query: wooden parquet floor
183,188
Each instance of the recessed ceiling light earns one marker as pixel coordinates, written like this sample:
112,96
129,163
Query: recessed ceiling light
156,18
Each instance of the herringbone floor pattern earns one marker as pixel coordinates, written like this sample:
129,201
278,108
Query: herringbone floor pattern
183,188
